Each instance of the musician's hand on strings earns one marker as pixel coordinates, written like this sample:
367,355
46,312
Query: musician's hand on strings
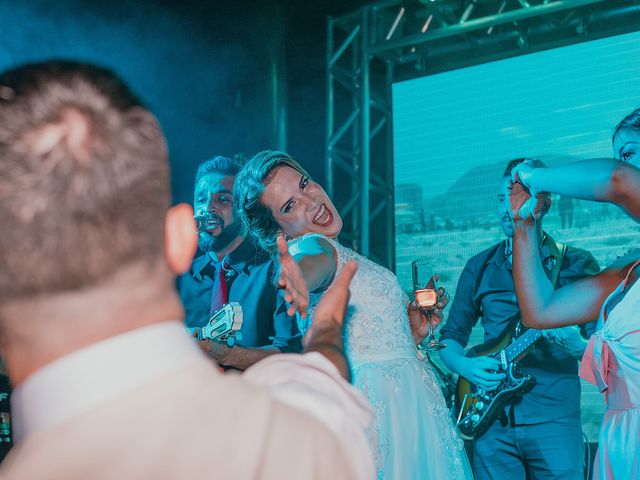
482,371
291,280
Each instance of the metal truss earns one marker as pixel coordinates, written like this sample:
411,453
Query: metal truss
394,40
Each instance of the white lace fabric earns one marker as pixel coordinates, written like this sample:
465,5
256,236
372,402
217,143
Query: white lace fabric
411,435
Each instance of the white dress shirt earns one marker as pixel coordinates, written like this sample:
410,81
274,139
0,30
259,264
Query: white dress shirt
312,384
88,378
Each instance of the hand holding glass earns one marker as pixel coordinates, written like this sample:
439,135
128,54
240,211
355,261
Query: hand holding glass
426,295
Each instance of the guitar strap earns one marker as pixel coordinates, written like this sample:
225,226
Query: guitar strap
557,253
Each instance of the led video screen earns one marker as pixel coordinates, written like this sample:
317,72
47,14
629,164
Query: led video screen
454,133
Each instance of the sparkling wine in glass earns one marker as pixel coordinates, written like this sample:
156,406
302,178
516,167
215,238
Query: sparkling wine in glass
426,295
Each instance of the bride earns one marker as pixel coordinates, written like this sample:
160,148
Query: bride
411,436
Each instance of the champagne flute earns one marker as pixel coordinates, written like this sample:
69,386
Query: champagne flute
426,295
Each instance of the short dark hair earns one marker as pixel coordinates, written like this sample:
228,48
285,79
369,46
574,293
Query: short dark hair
84,179
511,165
218,164
248,187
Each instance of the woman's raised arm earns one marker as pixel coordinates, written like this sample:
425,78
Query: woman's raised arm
540,305
601,180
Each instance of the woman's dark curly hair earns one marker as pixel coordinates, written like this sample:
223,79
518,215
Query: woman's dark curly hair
248,187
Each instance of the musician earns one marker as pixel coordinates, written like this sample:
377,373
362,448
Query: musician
539,435
246,272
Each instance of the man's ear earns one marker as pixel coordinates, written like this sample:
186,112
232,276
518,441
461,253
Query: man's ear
180,238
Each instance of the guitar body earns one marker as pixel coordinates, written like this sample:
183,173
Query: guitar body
478,408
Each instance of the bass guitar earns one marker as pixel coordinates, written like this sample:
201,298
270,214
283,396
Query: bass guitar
478,408
223,326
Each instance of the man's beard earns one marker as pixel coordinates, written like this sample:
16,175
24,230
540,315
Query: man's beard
209,243
506,224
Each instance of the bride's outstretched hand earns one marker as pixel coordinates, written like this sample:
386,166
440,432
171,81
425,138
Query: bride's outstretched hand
291,280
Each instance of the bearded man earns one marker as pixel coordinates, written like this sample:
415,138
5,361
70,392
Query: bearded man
232,269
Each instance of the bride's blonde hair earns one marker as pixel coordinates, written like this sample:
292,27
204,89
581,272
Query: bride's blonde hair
248,187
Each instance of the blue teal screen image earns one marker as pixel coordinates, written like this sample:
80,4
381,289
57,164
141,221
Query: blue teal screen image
455,132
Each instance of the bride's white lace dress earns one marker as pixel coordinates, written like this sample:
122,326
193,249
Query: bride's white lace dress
412,436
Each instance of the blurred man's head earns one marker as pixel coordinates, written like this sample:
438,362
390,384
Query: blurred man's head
504,212
213,203
84,180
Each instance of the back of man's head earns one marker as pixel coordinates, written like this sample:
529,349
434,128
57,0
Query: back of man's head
84,182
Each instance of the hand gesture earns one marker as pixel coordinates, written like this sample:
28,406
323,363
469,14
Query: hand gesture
525,208
521,173
291,280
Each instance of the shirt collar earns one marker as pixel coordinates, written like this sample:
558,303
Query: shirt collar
239,260
500,256
83,380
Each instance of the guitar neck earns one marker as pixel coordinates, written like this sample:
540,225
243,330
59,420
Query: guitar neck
520,344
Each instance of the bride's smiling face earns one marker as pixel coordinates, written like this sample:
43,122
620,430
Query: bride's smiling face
299,204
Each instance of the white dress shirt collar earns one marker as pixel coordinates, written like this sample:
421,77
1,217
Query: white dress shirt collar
82,380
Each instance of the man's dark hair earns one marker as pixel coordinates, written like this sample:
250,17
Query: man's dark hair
218,164
84,181
511,165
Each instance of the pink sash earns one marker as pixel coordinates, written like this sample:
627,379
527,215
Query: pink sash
594,367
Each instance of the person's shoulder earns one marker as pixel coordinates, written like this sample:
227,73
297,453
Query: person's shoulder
577,252
286,427
197,264
311,244
251,253
312,445
581,259
192,277
484,256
